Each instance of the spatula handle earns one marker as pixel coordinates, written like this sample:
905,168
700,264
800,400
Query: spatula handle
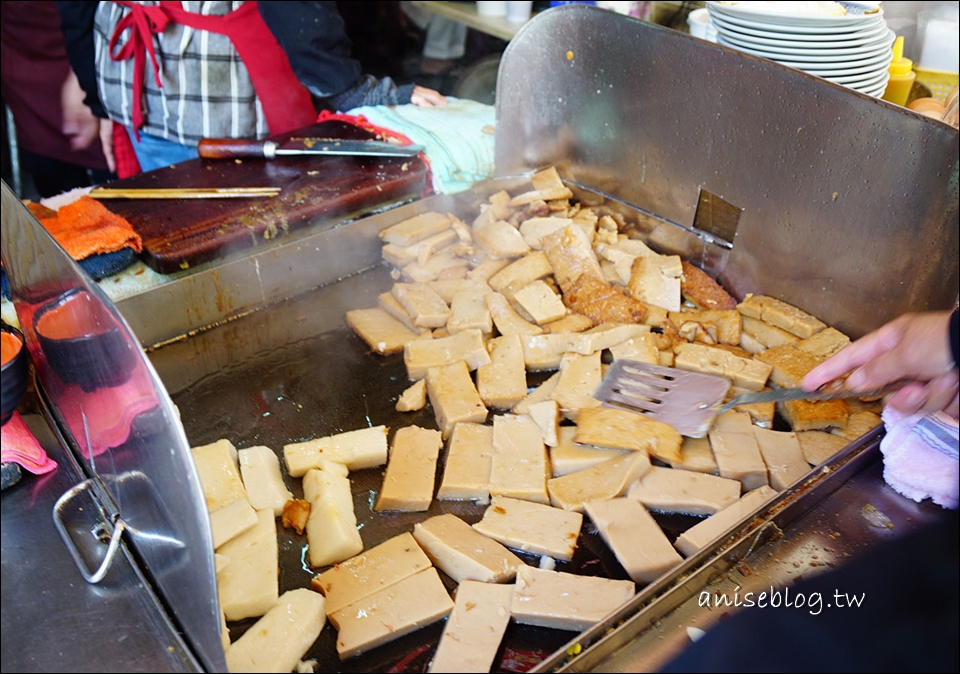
234,148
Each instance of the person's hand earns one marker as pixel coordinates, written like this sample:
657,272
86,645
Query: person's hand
427,98
79,124
106,142
915,347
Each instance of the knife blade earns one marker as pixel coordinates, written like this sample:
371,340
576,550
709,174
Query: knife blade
236,148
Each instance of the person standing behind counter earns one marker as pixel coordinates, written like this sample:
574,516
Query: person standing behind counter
175,72
58,136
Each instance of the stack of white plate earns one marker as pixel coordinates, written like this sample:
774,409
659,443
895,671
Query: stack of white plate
853,49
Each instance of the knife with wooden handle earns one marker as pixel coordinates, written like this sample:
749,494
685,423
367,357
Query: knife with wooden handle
237,148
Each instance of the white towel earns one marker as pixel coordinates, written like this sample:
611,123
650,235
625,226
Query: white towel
920,456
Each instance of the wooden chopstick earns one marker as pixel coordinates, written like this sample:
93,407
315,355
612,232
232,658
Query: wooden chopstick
183,192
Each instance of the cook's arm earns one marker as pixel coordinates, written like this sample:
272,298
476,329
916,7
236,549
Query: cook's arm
313,36
76,24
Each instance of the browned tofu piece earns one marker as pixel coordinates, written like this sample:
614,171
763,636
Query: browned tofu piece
726,323
605,480
571,255
818,446
417,228
527,269
454,396
747,373
601,302
696,455
762,414
858,423
815,415
570,323
547,179
502,383
507,319
790,364
389,303
825,343
621,429
783,456
500,239
468,345
766,334
783,315
408,481
520,466
466,472
413,398
382,332
684,491
655,280
697,287
736,450
425,307
580,376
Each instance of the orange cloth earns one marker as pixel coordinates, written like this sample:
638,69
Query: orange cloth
85,227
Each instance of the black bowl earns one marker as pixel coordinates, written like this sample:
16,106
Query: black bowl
13,381
83,342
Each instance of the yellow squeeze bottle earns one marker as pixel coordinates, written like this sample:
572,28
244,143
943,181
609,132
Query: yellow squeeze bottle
901,76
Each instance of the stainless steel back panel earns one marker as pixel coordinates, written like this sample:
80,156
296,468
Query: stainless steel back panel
850,204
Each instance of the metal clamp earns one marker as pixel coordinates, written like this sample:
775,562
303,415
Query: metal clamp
118,527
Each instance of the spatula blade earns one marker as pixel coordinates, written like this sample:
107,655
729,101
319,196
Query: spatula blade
688,401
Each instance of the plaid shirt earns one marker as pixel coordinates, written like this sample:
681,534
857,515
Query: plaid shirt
205,93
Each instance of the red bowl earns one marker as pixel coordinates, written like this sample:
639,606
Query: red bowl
13,379
83,342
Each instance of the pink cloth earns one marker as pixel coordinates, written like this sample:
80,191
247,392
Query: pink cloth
20,446
920,457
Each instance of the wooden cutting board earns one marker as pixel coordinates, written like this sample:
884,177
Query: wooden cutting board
317,191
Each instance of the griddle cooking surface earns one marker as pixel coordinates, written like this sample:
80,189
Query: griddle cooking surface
297,371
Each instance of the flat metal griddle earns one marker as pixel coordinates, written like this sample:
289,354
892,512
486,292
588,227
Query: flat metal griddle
297,371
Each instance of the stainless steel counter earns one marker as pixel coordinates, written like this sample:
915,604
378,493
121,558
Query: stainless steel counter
54,621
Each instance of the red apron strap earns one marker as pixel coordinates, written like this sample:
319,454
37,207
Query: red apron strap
286,103
143,21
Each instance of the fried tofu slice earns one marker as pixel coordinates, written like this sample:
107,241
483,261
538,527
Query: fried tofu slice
818,446
747,373
825,343
507,319
723,324
698,287
785,316
425,307
621,429
655,280
500,239
416,229
527,269
858,423
790,364
502,383
571,255
382,332
767,335
572,322
601,302
815,415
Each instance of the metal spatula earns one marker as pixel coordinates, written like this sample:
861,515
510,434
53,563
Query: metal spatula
690,401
